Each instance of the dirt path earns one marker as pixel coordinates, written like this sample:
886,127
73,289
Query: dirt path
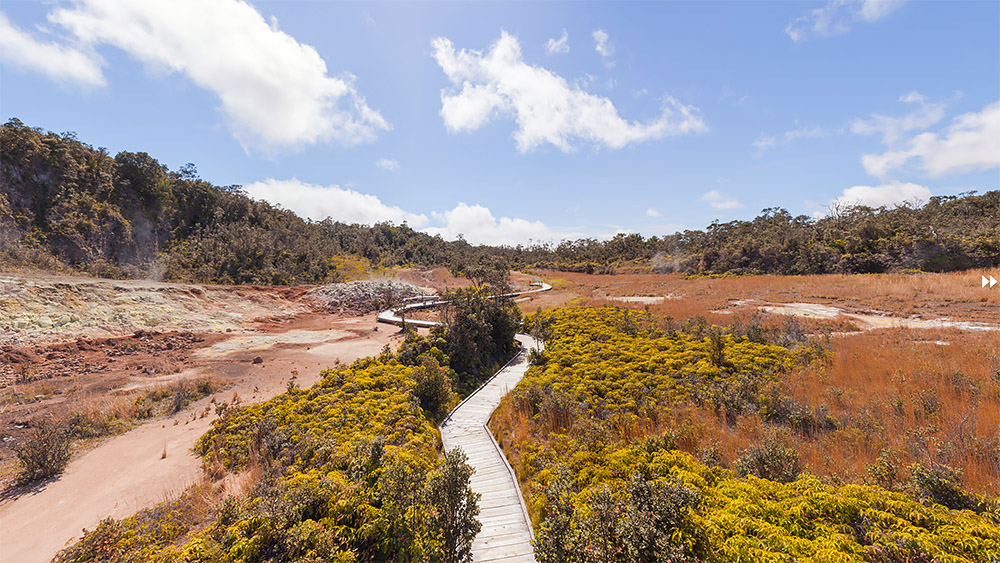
128,472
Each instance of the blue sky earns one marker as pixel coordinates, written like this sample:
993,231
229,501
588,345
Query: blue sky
509,122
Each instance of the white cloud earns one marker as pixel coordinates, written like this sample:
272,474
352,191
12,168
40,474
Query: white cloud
764,142
873,10
547,109
59,62
838,16
387,164
477,225
885,195
274,91
553,46
652,213
604,48
318,202
971,142
720,201
892,128
807,133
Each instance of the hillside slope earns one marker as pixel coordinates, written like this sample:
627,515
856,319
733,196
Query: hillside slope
66,206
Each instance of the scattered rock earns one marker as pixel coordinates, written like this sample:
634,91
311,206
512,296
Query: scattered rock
362,296
258,360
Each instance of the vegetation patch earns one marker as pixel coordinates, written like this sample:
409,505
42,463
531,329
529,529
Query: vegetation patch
594,430
347,470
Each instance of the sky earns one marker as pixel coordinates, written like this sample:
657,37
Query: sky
519,123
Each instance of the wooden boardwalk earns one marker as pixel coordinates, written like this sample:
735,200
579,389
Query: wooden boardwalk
506,533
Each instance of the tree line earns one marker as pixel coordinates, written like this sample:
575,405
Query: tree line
66,206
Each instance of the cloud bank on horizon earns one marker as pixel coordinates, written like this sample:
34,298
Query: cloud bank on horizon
474,223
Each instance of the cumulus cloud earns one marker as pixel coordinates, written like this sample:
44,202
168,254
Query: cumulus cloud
62,63
273,91
546,108
340,204
474,223
387,164
971,142
720,201
885,195
604,47
838,17
652,213
553,46
477,225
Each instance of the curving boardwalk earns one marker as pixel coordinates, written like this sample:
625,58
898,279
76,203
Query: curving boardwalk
506,533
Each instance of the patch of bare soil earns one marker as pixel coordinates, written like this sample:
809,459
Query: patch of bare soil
870,320
129,472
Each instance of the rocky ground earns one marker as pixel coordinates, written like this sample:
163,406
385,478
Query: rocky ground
35,309
363,296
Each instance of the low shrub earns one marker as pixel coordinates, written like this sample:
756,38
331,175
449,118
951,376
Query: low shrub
770,460
45,452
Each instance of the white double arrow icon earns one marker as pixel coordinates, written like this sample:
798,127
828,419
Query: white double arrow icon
989,282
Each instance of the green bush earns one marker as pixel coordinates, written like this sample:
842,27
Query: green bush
942,485
452,509
349,472
770,460
45,452
603,489
433,388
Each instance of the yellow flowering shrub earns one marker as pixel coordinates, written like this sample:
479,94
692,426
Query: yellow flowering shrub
604,481
349,471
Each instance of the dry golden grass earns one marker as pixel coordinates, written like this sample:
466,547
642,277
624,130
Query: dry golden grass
897,389
929,402
956,295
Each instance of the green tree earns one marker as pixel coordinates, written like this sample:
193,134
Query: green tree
479,332
432,387
452,509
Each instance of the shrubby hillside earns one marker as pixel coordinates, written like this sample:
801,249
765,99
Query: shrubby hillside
66,206
948,233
